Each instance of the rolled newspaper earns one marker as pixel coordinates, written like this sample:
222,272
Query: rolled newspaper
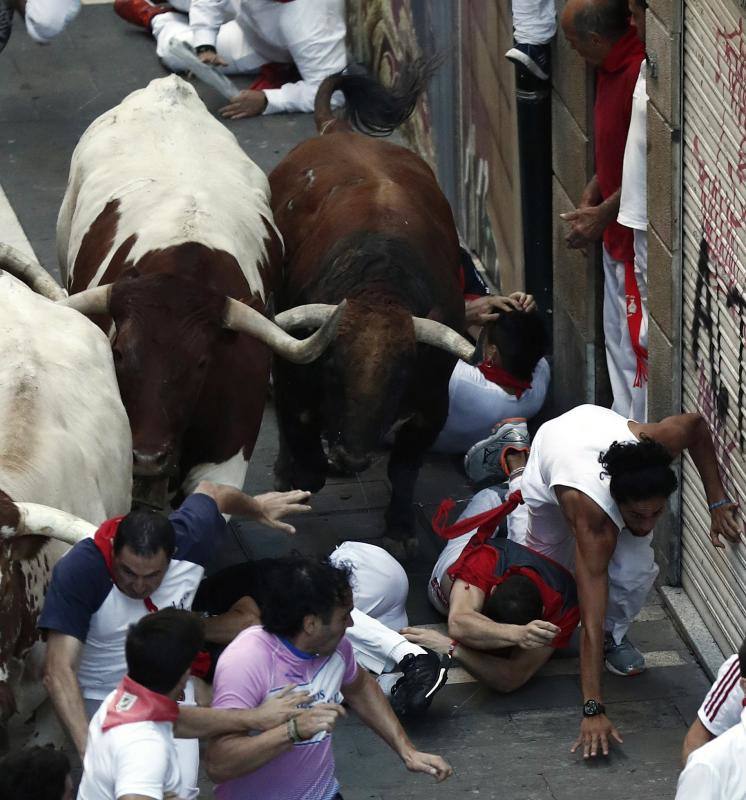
205,72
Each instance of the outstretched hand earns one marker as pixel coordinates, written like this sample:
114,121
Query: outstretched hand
248,103
724,522
427,637
596,732
273,506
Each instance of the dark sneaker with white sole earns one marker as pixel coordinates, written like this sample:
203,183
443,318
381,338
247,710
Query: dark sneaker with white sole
623,658
487,460
6,22
533,57
424,676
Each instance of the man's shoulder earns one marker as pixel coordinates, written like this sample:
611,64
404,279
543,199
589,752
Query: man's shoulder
83,559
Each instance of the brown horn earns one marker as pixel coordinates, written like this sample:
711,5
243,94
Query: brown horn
39,520
30,272
428,331
90,301
240,317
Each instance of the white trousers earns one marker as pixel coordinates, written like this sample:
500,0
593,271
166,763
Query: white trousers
46,18
632,569
234,48
629,400
187,750
379,593
534,21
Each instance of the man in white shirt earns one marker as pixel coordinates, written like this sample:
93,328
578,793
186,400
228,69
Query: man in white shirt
248,35
131,751
720,710
717,770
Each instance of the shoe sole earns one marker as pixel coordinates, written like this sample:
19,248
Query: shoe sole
631,674
518,57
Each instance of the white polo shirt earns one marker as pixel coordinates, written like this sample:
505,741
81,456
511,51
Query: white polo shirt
717,770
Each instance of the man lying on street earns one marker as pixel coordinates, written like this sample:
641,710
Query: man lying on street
307,612
133,566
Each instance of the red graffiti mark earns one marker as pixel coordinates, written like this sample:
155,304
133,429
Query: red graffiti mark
731,73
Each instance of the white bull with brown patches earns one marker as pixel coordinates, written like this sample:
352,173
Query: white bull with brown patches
166,239
64,443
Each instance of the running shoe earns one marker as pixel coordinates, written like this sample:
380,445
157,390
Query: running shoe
533,57
487,460
623,658
424,676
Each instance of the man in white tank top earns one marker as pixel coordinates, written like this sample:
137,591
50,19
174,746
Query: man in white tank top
596,515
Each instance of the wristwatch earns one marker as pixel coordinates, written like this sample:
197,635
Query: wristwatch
592,708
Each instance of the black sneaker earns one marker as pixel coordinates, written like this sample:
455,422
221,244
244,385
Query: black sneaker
534,57
6,22
424,675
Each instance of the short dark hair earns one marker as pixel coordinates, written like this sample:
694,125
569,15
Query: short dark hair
638,470
303,586
515,601
161,646
606,18
37,772
521,340
145,532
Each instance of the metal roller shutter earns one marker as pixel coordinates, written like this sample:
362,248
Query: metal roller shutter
714,296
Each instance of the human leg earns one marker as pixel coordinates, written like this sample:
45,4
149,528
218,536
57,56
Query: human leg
45,19
534,21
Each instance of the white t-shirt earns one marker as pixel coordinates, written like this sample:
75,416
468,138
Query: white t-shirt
633,204
476,404
721,709
136,758
717,770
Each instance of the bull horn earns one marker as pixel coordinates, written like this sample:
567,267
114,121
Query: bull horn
428,331
240,317
90,301
30,272
38,520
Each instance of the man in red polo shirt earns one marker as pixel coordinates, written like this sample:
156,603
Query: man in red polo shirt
600,32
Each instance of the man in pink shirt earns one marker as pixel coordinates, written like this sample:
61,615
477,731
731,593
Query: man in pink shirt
301,642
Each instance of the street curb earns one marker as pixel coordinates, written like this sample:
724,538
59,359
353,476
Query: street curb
692,628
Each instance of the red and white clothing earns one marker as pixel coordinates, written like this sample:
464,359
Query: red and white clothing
565,452
131,753
721,709
626,352
476,404
250,33
717,770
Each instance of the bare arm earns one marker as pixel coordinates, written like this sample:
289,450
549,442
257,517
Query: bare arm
696,736
366,699
468,626
691,432
61,681
503,674
267,509
223,628
201,723
595,540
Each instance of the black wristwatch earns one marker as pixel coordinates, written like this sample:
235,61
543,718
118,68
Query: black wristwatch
592,708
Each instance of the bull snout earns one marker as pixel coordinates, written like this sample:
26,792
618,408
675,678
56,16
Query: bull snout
346,462
152,463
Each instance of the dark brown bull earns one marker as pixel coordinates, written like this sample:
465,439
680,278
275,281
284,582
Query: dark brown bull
365,220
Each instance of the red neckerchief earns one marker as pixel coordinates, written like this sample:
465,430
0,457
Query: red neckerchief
615,83
501,377
134,703
104,541
486,523
275,75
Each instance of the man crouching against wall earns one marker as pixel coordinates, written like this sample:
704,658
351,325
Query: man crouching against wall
307,612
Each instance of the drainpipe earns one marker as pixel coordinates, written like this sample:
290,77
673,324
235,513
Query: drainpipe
535,156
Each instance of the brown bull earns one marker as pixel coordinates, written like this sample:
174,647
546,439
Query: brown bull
365,220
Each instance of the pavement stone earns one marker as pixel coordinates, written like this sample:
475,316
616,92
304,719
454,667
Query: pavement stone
513,747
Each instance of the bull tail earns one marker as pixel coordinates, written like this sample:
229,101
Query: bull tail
371,107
